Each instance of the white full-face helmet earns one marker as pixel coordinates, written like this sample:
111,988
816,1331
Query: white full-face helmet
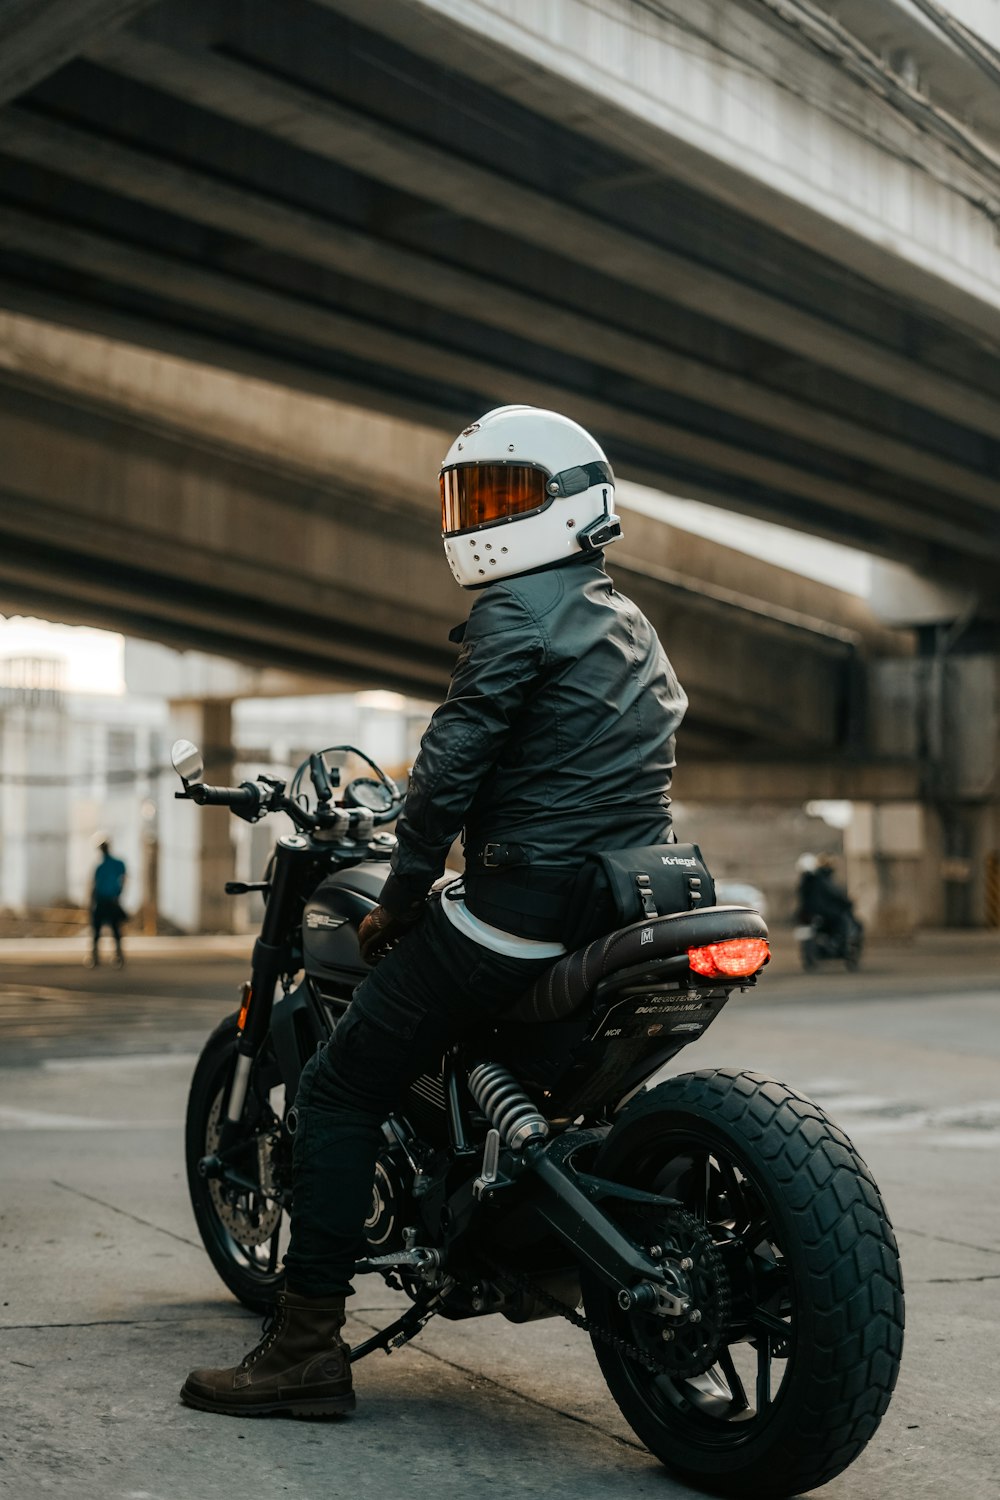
521,488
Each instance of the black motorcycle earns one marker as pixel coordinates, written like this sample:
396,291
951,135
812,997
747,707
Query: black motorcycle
718,1237
840,939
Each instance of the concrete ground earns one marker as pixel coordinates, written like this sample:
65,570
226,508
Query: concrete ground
108,1298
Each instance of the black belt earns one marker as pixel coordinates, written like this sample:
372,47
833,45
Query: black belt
497,856
530,900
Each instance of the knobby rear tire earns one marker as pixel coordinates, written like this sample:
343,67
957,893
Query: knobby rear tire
838,1260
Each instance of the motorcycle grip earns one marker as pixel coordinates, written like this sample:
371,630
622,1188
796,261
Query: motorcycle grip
224,796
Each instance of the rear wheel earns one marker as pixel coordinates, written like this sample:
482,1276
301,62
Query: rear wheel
241,1226
781,1375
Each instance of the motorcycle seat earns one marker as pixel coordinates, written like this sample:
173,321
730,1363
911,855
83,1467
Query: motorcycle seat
564,989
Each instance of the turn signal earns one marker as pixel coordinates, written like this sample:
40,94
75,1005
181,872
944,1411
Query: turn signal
736,958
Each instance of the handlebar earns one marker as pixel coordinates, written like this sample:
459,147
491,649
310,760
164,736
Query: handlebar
352,816
255,798
247,795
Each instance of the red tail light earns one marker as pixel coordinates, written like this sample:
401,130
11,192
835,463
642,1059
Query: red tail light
736,958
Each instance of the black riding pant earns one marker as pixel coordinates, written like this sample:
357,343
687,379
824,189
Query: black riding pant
432,989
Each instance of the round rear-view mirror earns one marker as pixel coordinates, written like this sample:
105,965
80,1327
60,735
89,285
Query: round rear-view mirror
186,761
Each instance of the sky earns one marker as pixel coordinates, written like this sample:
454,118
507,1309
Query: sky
94,659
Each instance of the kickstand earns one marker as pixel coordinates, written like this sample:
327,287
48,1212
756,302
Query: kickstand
395,1335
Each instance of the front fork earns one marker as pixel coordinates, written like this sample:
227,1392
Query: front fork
271,959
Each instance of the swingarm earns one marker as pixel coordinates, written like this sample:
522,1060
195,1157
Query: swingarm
517,1146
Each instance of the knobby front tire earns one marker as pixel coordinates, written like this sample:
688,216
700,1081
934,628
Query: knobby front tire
241,1230
813,1306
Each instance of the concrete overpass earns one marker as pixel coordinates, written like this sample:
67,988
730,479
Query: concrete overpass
207,509
784,298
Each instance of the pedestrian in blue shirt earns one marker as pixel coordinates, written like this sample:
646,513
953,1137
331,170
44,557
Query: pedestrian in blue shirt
105,906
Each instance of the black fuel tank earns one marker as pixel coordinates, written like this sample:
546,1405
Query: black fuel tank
331,917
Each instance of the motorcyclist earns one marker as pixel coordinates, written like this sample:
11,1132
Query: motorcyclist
822,899
556,738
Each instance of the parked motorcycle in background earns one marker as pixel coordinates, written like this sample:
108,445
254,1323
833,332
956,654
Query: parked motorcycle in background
717,1237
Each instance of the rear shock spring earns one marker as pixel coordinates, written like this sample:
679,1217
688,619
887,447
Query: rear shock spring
505,1104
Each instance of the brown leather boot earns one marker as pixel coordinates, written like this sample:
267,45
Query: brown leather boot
301,1366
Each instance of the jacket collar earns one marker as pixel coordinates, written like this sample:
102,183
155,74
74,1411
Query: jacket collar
579,559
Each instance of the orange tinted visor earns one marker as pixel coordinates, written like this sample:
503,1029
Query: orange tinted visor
475,495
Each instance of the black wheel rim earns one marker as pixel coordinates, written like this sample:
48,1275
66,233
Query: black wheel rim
730,1403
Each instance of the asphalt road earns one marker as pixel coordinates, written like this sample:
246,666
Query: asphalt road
108,1298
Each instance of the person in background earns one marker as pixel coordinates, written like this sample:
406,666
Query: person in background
821,897
105,903
807,895
837,903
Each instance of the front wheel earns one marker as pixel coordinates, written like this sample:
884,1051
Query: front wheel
779,1375
240,1225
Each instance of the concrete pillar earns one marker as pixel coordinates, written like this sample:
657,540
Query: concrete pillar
196,843
886,855
984,859
991,867
965,783
942,710
964,864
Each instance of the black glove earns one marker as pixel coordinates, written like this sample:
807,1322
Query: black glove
379,933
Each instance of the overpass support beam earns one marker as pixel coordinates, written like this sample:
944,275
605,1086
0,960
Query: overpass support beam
930,864
942,711
197,853
965,860
889,868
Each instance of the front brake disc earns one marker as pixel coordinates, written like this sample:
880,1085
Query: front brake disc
251,1218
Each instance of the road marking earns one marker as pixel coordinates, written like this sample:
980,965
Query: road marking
820,1088
974,1124
12,1118
118,1061
862,1104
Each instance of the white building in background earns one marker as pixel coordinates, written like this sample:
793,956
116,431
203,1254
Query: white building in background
75,765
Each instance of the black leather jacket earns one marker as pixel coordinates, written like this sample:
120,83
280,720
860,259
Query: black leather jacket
556,738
